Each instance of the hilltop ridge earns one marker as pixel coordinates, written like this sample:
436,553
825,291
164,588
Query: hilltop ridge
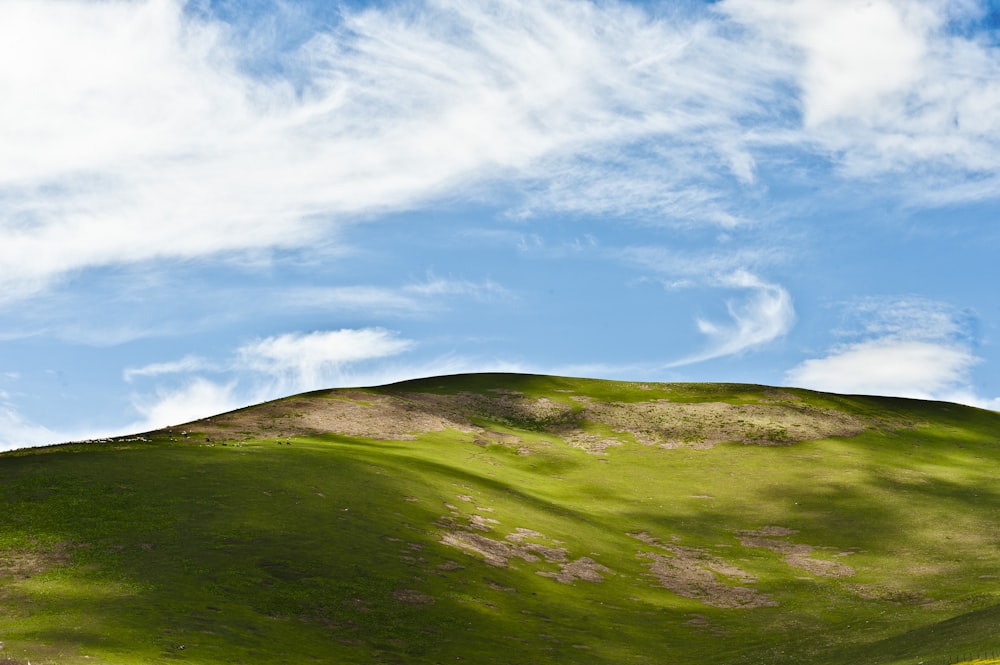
504,518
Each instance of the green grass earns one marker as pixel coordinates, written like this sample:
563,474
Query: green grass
329,550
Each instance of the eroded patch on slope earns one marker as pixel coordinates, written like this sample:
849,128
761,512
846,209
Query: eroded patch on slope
522,544
779,420
694,573
795,555
704,424
350,413
21,564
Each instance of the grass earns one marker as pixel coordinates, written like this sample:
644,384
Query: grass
331,549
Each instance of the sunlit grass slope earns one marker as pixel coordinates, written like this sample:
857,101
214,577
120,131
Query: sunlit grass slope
514,519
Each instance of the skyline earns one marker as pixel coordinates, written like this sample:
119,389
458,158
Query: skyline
205,205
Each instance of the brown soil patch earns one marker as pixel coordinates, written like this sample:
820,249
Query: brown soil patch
796,555
482,523
704,424
350,413
592,443
780,419
498,552
496,586
692,572
24,563
583,568
519,545
399,417
521,534
894,596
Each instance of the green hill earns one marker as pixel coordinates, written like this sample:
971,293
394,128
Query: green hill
514,519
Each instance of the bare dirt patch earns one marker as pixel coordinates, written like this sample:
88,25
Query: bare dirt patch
592,443
350,413
507,407
21,564
521,534
780,419
521,545
893,596
482,523
583,568
705,424
486,437
496,586
796,555
500,552
692,572
379,416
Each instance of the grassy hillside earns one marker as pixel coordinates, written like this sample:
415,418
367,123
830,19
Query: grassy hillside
514,519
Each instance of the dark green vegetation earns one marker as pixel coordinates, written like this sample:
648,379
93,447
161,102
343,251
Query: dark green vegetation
514,519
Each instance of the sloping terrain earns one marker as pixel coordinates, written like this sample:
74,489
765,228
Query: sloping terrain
514,519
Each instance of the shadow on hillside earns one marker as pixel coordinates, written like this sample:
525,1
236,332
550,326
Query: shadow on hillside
267,554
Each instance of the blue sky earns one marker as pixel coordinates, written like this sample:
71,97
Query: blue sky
208,204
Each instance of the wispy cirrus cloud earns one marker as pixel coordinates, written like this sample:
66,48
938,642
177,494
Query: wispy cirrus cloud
411,299
447,287
762,317
142,132
763,314
137,133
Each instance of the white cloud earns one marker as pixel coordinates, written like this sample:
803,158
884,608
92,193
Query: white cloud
132,134
438,286
763,317
315,360
856,51
136,131
908,347
16,432
261,370
889,86
887,366
200,397
197,399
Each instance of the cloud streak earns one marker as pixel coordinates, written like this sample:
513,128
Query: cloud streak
184,365
761,318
